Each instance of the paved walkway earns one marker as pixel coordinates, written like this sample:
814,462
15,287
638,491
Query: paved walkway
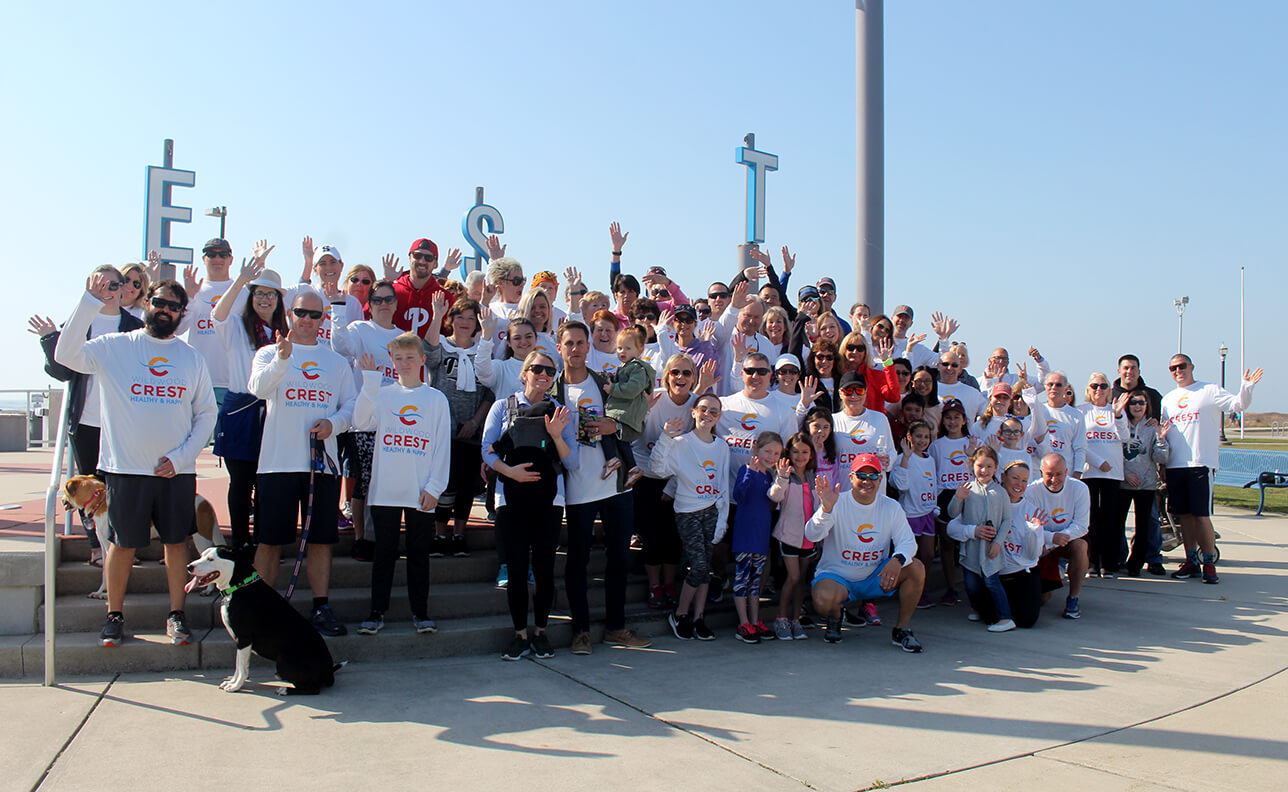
1162,685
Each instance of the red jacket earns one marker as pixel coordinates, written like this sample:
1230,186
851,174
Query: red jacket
414,304
883,386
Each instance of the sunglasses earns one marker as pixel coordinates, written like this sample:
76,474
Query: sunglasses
113,285
541,368
853,390
686,320
138,284
309,312
1178,367
1056,385
166,305
949,365
757,371
424,257
1135,404
681,372
646,317
216,254
578,292
719,295
788,370
825,289
825,357
263,294
1099,386
707,409
705,313
382,300
517,280
363,281
873,476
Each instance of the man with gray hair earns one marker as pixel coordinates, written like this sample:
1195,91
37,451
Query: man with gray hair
737,335
1068,502
1065,433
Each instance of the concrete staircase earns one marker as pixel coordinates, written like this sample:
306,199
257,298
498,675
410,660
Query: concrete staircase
471,613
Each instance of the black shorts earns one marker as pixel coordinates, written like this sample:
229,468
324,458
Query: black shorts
1189,491
792,551
137,503
281,500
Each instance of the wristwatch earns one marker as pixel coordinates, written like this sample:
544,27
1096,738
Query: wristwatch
902,561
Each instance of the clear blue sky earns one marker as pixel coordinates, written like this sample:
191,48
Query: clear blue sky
1055,173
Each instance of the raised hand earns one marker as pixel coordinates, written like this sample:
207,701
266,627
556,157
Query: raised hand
707,330
739,298
784,467
390,265
809,390
675,427
885,348
557,421
827,492
453,259
495,249
707,378
41,326
1022,372
1164,428
963,492
739,343
261,249
154,265
665,317
367,362
653,397
306,247
755,464
972,443
905,445
283,344
571,276
489,292
191,283
1253,376
438,307
487,317
759,256
619,238
1120,403
1034,353
97,285
789,261
250,270
1039,519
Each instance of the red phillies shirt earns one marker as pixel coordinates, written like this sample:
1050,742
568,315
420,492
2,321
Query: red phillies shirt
414,304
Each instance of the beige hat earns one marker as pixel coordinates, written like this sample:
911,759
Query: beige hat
270,279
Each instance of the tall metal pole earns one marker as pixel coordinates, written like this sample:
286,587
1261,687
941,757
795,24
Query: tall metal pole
1242,365
1223,350
1180,322
869,88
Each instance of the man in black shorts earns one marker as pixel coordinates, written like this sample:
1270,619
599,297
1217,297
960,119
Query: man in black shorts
158,408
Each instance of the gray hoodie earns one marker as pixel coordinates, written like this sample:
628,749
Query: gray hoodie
1143,452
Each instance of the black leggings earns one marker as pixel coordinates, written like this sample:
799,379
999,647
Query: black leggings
1023,594
1106,529
1143,501
528,524
85,449
241,489
420,527
462,483
655,523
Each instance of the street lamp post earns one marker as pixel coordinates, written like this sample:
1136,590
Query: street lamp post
1224,350
1180,322
222,213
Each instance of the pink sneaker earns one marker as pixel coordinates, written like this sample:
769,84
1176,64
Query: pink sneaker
870,613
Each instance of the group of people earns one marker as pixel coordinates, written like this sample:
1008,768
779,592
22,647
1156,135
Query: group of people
744,439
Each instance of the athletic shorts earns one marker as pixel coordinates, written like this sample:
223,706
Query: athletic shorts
923,525
792,551
281,500
1049,568
136,503
1189,491
867,589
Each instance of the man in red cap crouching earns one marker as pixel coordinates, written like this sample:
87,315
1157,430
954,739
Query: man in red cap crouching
870,551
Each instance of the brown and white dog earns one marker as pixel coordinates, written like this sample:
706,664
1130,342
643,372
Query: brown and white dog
90,496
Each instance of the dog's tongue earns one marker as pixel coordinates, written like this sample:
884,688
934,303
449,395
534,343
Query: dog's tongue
192,584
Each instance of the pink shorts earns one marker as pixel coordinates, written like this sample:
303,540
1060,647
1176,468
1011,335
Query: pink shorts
923,525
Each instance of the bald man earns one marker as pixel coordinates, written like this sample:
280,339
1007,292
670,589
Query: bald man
1068,501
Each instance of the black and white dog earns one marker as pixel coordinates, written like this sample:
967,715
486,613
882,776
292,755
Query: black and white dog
260,620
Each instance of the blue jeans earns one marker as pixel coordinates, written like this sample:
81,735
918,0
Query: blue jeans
976,584
618,517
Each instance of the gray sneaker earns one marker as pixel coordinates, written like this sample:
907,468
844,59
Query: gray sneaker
798,632
176,628
424,625
113,633
782,629
374,623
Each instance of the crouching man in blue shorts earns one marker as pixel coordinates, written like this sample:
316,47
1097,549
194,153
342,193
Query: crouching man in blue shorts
858,562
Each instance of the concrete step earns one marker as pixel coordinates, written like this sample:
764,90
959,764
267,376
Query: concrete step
80,654
77,613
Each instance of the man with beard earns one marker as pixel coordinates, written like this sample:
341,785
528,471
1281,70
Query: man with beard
158,408
416,288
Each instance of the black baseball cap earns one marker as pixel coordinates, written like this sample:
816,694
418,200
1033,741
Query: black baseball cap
852,378
216,245
686,310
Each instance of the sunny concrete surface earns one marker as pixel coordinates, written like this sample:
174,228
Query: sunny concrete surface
1162,685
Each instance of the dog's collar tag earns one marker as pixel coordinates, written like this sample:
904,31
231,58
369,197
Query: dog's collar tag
228,592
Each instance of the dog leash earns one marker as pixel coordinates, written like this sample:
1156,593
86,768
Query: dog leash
319,462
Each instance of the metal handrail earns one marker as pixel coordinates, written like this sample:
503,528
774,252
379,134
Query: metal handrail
51,561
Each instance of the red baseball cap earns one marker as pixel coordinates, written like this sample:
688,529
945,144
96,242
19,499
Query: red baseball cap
423,245
865,461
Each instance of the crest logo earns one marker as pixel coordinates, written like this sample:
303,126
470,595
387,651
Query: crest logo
159,366
409,415
710,468
866,533
748,422
310,369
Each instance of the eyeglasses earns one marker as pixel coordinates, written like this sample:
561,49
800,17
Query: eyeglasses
708,409
661,294
1178,367
541,368
113,285
424,257
263,294
1011,432
309,312
138,284
825,357
704,313
853,390
578,292
719,295
681,372
166,305
945,364
873,476
517,280
756,371
1099,386
826,289
389,298
788,370
363,281
1051,385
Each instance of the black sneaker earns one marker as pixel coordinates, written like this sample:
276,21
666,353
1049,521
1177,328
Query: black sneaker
438,546
681,627
701,631
1187,570
854,619
326,623
176,629
458,546
715,589
833,632
1209,573
541,648
747,633
1157,569
113,633
363,550
905,640
519,647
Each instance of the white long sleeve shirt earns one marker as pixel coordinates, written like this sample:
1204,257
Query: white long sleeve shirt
742,418
1065,433
155,395
313,383
701,472
352,340
916,483
970,398
1021,539
1070,508
413,429
1105,437
1195,415
201,330
860,537
952,468
865,433
499,374
351,308
664,410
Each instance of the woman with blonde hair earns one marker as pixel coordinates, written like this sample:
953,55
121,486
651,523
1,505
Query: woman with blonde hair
1107,429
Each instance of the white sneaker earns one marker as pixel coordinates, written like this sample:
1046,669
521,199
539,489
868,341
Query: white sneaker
973,616
1005,625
